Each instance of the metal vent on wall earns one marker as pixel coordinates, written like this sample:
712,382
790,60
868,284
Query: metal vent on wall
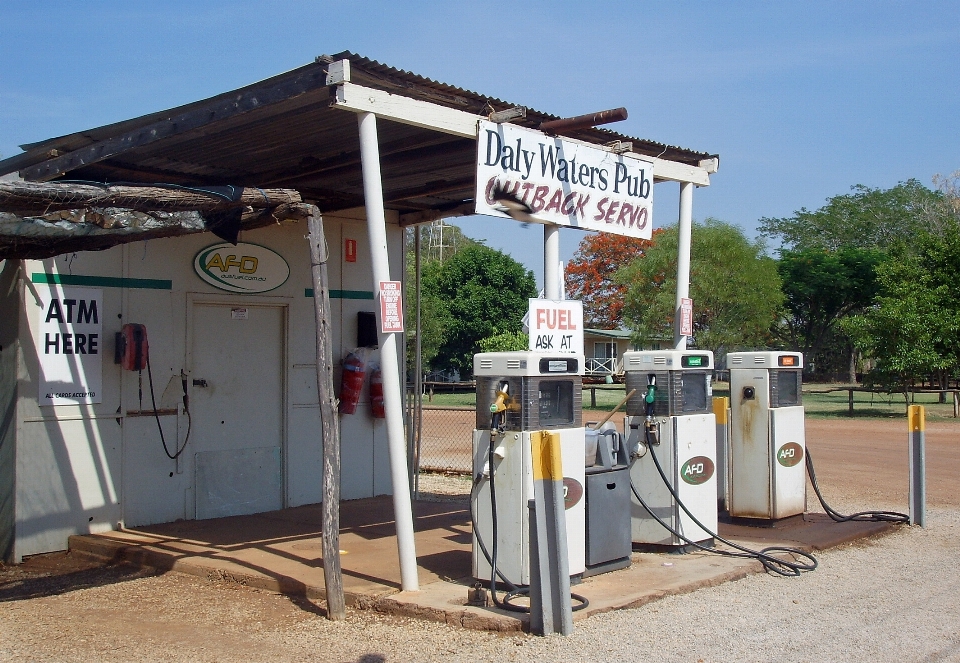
486,363
513,364
634,361
660,361
760,360
736,360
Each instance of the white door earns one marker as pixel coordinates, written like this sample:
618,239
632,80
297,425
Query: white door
236,400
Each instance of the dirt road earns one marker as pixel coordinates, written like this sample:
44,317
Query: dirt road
895,599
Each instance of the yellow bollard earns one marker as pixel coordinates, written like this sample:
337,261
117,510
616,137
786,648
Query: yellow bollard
916,425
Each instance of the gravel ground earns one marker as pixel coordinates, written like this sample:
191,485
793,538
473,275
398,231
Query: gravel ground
896,598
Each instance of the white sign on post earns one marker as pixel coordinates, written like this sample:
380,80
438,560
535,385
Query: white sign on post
70,345
686,316
564,182
391,307
556,326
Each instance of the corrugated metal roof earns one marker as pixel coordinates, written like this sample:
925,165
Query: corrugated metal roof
281,132
608,333
475,102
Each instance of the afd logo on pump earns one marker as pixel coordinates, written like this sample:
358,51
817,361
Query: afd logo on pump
572,492
790,454
697,470
245,268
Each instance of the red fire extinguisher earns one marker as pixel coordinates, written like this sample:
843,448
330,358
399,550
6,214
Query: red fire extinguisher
354,370
376,394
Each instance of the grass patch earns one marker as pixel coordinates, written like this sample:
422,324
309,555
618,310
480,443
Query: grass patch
870,405
830,405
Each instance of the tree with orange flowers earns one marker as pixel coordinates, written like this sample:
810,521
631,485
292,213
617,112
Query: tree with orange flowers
590,276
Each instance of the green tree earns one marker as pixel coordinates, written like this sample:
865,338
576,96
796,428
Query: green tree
505,342
436,244
829,257
486,292
822,287
735,288
913,329
867,218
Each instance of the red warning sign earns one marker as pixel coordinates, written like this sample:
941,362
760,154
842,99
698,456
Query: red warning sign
350,250
391,307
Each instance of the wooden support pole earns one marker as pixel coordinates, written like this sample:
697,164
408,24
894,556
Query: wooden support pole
583,121
330,425
44,198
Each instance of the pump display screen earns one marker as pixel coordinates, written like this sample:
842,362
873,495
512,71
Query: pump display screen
694,392
788,360
559,365
694,361
556,402
788,388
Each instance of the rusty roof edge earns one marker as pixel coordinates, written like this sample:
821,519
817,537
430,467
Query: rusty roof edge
402,80
368,71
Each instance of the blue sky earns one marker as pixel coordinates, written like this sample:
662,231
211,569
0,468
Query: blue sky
801,100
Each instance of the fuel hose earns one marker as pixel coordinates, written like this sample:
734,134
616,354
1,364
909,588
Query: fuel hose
860,516
773,564
513,590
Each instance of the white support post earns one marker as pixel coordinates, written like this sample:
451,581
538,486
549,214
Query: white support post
551,262
389,356
683,259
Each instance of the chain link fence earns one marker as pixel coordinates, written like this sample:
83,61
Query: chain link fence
446,431
447,439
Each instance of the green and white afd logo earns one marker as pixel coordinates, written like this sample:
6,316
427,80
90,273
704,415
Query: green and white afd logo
790,454
245,268
697,470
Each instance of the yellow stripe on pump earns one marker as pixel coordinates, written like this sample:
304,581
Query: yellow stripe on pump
545,456
721,406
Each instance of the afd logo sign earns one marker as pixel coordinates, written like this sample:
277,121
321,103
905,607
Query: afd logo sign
790,454
244,268
697,470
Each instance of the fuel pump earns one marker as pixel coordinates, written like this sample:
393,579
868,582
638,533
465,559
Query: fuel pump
519,393
670,422
767,441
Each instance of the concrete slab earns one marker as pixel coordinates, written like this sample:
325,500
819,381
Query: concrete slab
281,551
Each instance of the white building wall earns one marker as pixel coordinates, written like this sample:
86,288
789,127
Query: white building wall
91,468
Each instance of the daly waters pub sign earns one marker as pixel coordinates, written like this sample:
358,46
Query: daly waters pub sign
564,182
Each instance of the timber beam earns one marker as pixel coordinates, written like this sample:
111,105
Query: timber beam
360,99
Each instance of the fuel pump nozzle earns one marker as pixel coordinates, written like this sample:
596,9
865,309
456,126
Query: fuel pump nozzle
650,427
502,403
